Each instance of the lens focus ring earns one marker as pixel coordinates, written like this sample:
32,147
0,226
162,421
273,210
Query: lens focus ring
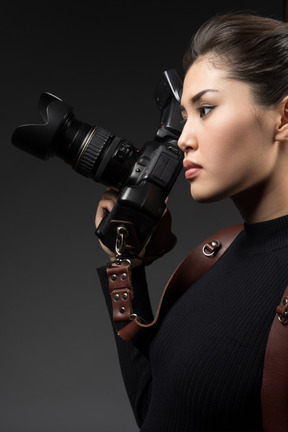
91,151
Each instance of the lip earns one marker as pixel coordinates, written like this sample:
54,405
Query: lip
191,169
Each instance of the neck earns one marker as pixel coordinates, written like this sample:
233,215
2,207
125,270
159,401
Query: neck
261,203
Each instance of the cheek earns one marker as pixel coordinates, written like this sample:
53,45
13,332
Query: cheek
235,140
243,156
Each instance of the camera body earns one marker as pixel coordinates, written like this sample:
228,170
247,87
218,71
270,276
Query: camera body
144,177
141,203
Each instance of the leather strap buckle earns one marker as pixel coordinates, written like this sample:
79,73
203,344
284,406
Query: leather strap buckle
121,290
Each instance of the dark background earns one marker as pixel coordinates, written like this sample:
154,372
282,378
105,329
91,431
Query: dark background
59,367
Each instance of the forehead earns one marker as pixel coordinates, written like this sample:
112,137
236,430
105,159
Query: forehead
203,74
213,74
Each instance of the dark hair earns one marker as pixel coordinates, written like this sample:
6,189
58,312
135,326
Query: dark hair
254,48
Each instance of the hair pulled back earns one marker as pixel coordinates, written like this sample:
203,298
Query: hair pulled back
254,48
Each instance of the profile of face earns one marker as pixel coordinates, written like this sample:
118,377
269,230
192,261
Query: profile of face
229,142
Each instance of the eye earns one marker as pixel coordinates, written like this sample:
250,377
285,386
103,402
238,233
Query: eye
205,110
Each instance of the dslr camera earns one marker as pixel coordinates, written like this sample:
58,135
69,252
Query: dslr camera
144,177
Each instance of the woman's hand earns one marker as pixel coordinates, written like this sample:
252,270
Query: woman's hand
105,206
161,241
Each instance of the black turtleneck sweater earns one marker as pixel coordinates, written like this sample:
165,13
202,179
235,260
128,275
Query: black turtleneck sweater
205,365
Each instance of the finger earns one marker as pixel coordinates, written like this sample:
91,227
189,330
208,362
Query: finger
110,193
104,206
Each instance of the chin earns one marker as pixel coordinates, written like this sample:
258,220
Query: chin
205,197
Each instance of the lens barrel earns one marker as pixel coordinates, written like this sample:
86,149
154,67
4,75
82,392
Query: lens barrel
90,152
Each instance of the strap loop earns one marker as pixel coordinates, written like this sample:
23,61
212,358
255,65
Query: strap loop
122,233
211,248
282,311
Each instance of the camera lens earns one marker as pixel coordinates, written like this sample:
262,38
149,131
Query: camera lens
106,158
92,151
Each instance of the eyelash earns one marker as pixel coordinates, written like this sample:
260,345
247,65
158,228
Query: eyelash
202,109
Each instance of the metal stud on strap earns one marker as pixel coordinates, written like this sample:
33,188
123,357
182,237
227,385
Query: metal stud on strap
283,314
210,249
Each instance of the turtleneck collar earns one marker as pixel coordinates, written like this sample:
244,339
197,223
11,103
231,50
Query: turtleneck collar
267,235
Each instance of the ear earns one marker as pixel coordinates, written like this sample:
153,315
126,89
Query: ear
282,126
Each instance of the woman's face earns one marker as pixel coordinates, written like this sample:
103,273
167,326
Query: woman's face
227,140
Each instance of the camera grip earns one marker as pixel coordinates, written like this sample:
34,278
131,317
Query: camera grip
139,208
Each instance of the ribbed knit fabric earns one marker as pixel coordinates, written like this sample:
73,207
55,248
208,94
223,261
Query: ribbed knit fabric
205,367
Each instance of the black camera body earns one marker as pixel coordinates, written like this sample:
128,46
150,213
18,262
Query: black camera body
144,177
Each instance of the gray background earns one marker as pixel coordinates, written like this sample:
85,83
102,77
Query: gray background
59,368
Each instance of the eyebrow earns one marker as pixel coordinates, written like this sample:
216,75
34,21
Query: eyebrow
198,96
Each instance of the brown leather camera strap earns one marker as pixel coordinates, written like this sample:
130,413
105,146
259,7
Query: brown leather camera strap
274,391
133,328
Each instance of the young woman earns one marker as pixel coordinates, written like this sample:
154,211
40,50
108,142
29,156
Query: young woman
205,364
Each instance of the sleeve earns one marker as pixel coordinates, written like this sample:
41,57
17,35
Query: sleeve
135,366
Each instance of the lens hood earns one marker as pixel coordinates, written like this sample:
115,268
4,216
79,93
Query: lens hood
39,139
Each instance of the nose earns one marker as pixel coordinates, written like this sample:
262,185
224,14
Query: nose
187,140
